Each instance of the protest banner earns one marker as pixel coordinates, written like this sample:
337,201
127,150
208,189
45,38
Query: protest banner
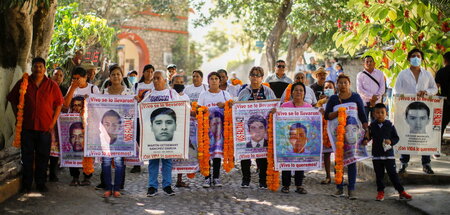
418,121
250,128
164,130
71,136
354,151
110,126
190,165
297,139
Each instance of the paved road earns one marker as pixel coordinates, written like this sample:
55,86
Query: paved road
230,199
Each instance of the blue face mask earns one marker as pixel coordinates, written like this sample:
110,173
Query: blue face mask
415,61
328,92
132,80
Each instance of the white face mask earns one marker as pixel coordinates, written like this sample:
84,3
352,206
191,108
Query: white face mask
328,92
415,61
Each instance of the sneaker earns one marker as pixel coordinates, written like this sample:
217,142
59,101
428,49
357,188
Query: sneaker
151,192
42,188
301,190
74,182
100,187
427,169
217,182
339,193
402,170
207,183
135,169
380,196
245,184
169,191
262,186
285,189
107,194
85,182
351,195
405,196
116,194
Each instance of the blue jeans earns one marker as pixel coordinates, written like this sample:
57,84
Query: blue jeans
351,173
153,170
118,177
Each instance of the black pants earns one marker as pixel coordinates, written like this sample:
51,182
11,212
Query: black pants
261,163
35,147
286,178
445,117
53,166
216,168
389,165
75,172
426,159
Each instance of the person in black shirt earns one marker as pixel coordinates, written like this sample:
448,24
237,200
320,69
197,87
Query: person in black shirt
443,82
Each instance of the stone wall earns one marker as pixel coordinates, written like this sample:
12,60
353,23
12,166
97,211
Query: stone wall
9,164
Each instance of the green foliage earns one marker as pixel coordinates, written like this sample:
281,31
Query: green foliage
186,54
234,64
217,43
74,31
387,30
195,59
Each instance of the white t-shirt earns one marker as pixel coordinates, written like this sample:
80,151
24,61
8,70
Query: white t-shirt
143,86
233,90
88,90
126,91
161,96
184,97
194,92
209,99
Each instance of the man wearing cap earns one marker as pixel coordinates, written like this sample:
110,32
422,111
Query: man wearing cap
278,81
91,70
370,84
172,70
320,75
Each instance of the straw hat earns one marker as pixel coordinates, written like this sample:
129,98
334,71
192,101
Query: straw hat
318,71
88,66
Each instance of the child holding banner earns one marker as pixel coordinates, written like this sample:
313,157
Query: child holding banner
214,99
384,136
298,132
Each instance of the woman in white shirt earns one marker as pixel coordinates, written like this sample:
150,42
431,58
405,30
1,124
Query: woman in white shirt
194,90
214,99
416,81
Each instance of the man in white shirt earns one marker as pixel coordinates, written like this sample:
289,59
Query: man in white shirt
418,81
224,85
194,90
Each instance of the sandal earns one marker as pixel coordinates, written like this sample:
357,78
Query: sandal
181,184
326,181
107,194
301,190
285,189
116,194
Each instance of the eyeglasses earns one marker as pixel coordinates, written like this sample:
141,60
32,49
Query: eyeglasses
256,75
281,66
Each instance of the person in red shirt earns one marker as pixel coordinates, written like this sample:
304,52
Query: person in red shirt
43,102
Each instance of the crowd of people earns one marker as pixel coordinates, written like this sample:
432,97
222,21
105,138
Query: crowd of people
46,97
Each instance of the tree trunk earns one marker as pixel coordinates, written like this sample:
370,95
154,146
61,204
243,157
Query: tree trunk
273,41
298,44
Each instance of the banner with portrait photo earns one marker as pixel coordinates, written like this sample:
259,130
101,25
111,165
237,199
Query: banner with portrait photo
164,130
297,137
250,128
190,165
71,139
110,126
354,151
418,121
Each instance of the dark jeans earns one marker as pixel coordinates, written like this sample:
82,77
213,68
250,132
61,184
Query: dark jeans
35,147
351,173
389,165
425,159
53,166
75,172
102,182
368,111
216,168
286,178
107,175
261,163
445,117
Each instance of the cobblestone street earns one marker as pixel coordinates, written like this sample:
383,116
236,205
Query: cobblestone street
229,199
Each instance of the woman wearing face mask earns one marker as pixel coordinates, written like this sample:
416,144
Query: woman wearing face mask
329,90
417,81
310,97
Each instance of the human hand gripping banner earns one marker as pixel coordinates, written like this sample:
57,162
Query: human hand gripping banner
418,121
297,139
71,138
190,165
354,150
250,128
110,126
164,130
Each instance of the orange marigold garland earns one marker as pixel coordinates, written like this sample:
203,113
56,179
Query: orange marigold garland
19,119
228,147
190,175
287,97
236,82
88,162
266,84
203,140
339,155
273,177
